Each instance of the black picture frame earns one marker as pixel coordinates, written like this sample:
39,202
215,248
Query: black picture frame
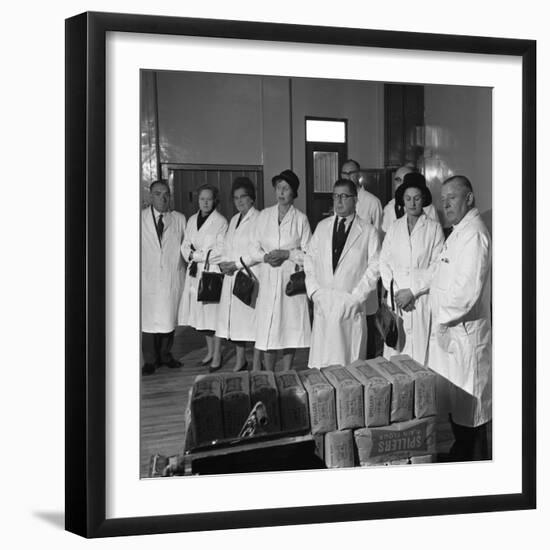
86,264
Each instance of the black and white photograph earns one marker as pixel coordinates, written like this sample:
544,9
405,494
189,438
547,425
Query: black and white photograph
316,269
274,274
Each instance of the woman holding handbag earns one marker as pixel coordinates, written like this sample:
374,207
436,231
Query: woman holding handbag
205,230
412,245
282,236
236,317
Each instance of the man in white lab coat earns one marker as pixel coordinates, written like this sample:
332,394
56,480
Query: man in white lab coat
341,267
369,209
460,343
390,214
162,274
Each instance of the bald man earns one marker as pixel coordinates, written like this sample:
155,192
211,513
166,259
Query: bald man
460,343
389,214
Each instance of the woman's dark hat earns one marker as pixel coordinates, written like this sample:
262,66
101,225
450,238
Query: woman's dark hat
290,177
418,181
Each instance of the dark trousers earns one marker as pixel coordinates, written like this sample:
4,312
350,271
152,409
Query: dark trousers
470,443
157,347
373,337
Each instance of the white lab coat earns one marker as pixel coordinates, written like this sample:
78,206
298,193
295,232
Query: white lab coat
369,209
201,315
409,260
162,271
281,321
460,343
339,334
236,320
389,214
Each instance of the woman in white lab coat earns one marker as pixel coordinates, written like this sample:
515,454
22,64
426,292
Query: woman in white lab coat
205,232
391,212
236,320
411,247
282,236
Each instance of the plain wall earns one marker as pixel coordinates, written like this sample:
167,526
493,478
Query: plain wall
458,140
207,118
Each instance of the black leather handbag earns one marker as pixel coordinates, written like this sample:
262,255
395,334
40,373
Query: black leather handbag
210,285
297,283
245,285
392,334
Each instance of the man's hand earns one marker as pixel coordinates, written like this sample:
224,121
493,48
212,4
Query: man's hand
405,299
350,304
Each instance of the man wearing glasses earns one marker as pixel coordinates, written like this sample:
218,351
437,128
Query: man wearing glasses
341,267
369,209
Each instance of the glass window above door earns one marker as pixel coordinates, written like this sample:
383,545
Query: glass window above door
330,131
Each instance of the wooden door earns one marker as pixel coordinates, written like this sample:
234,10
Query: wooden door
185,180
323,164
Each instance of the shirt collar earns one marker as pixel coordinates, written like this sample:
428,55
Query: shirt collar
157,213
466,219
347,219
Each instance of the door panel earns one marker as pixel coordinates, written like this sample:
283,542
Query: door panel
185,182
323,164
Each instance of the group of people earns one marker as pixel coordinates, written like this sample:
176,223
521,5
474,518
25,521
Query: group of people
439,289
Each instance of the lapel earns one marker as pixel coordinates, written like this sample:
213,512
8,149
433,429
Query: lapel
288,216
417,226
167,219
209,221
329,228
353,235
458,228
151,226
248,217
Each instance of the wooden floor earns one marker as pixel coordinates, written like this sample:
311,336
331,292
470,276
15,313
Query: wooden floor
164,397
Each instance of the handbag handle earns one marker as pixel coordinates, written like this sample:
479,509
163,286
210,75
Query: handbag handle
207,262
250,274
391,296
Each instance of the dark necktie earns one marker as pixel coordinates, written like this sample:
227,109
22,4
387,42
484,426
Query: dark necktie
239,221
341,233
338,242
160,228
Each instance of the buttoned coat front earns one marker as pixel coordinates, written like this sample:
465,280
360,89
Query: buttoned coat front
409,260
201,315
162,271
460,343
236,320
281,321
339,333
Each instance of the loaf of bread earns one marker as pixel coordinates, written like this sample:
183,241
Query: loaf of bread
263,388
349,397
376,394
293,405
206,409
402,389
235,402
425,403
339,449
322,401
